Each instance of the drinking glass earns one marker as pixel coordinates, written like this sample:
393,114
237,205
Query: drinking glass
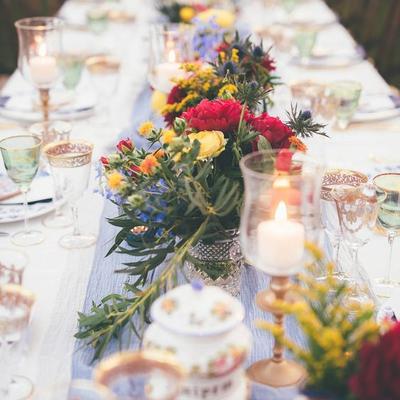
15,309
358,210
21,155
40,44
329,211
305,38
388,219
141,375
170,46
12,266
50,132
70,162
347,94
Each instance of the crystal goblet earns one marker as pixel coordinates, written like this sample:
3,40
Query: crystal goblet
70,162
21,155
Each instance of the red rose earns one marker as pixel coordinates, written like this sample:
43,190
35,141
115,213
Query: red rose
273,129
268,63
284,160
105,161
215,115
125,145
378,375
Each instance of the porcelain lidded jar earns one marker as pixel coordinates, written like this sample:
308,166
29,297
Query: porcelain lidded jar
203,327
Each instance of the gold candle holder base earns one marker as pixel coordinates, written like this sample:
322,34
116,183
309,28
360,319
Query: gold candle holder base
276,371
45,103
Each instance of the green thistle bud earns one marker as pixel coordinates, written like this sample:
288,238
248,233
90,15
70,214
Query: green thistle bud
179,125
136,200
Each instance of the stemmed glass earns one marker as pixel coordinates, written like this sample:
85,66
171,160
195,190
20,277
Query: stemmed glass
329,212
15,309
70,162
53,131
358,210
388,219
21,155
40,47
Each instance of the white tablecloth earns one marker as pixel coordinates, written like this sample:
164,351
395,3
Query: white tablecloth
59,277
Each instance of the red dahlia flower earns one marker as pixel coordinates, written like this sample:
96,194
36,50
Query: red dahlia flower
378,376
273,129
215,115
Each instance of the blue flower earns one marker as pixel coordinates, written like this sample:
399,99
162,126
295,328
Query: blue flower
228,68
258,52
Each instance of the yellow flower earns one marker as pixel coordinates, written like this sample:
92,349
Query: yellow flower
167,136
149,164
186,14
160,153
223,18
114,180
145,128
212,143
235,55
229,88
158,101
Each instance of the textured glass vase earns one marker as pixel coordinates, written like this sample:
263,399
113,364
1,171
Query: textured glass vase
217,263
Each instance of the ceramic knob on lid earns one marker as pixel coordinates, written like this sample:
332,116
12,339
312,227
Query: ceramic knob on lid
202,326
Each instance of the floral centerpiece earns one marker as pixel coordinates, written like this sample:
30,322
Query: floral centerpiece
185,188
239,62
345,357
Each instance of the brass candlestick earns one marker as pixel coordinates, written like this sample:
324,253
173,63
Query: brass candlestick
44,101
276,371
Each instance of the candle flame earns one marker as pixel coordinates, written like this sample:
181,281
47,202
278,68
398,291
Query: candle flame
41,47
281,212
281,182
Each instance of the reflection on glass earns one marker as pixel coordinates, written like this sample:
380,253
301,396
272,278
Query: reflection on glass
70,162
21,156
12,266
389,219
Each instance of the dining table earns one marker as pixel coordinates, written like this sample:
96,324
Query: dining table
66,282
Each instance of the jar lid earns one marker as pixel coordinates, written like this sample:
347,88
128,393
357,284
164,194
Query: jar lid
197,310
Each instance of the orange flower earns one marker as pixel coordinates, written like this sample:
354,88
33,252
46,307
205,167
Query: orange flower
296,142
149,164
160,153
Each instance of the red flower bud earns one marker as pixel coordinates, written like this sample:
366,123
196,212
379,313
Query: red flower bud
105,161
125,145
134,169
284,160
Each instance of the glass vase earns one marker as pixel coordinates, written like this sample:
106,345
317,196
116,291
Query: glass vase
217,262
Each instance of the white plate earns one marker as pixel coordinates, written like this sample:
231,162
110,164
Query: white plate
377,107
42,187
24,106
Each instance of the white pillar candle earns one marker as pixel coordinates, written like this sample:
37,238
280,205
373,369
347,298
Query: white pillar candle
280,243
164,73
43,69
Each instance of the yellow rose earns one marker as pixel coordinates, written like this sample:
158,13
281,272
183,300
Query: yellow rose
212,143
225,19
186,14
158,101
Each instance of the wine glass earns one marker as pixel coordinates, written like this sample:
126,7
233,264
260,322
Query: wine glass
70,162
12,266
388,219
21,155
358,210
329,212
15,309
141,375
40,47
53,131
305,37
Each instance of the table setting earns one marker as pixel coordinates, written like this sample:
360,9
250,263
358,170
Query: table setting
198,200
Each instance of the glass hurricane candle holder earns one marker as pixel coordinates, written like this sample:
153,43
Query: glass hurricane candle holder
40,48
170,46
281,212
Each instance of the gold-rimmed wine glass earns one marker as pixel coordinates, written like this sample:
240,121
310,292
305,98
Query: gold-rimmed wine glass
21,155
15,309
70,163
389,220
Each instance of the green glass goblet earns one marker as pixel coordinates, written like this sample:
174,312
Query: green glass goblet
21,155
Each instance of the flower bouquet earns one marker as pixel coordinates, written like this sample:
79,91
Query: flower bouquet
185,188
345,357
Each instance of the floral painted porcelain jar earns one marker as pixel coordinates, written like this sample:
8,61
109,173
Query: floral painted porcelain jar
202,326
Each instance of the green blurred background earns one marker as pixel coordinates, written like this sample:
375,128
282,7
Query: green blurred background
375,24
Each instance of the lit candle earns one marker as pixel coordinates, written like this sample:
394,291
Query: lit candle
166,72
280,243
43,67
